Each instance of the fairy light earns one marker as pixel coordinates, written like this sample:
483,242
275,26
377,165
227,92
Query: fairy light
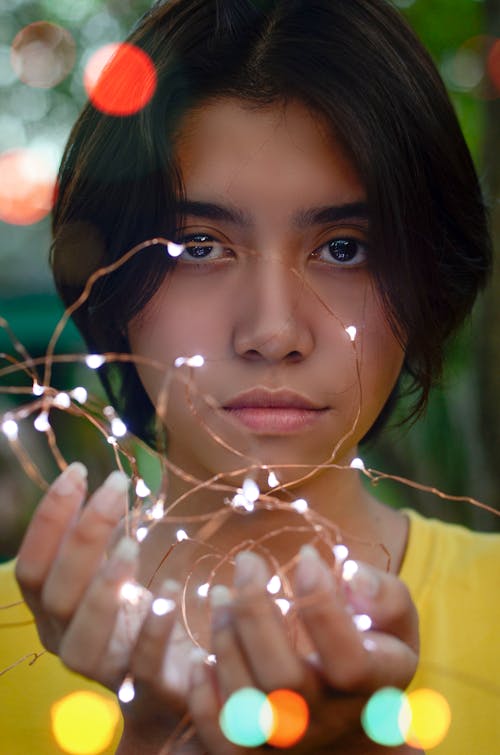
162,606
157,511
203,590
10,429
94,361
37,390
111,440
126,693
80,394
240,501
175,250
251,490
211,659
349,569
62,401
351,331
132,592
272,480
274,585
357,463
196,361
283,604
340,551
141,534
300,505
181,535
42,423
141,489
118,427
362,622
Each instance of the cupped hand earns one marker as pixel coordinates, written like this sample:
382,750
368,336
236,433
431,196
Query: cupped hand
253,649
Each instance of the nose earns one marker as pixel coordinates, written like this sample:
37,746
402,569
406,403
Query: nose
271,322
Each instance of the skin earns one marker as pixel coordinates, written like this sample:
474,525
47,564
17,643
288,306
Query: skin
256,323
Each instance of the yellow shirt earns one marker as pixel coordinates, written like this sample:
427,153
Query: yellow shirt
454,578
453,575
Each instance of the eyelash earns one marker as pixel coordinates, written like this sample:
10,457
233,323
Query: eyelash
204,241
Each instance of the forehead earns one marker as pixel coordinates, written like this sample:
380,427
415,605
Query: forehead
274,157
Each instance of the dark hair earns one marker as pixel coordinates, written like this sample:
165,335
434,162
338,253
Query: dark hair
355,62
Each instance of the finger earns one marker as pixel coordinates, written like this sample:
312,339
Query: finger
231,669
82,549
261,629
148,657
351,660
49,524
84,646
205,710
384,597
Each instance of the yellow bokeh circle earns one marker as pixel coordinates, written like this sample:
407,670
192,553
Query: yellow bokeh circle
430,718
84,723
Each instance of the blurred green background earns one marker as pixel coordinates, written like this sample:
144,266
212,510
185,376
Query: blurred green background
455,448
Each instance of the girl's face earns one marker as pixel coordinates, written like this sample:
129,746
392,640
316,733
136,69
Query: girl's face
271,292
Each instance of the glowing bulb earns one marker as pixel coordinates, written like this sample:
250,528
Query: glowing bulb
211,659
162,606
10,429
62,400
126,693
349,569
251,490
362,622
180,361
240,501
79,394
131,592
283,605
158,510
203,590
118,428
112,440
181,535
196,361
141,489
94,361
274,585
340,552
38,390
175,250
141,534
357,463
351,332
109,412
42,423
300,505
272,480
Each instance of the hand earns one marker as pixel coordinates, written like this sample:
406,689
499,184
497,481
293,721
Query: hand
73,591
253,649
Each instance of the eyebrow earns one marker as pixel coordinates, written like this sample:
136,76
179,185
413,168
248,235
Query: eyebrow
300,219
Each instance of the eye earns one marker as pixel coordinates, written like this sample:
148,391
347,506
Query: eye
201,246
345,252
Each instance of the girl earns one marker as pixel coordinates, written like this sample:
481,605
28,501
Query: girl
305,230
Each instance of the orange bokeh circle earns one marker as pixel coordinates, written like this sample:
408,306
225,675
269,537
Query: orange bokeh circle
290,717
27,187
120,79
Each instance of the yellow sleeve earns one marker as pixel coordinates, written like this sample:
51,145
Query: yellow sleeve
454,578
46,709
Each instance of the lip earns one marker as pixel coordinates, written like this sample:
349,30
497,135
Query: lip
274,412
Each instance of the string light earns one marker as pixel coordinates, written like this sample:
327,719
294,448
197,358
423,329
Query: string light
300,506
162,606
283,604
141,488
157,511
340,551
38,390
126,693
175,250
272,480
80,394
362,622
132,592
274,585
94,361
141,534
203,590
251,490
357,463
351,332
10,429
42,423
118,427
62,401
181,535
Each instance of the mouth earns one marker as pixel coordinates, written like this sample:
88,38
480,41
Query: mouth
274,412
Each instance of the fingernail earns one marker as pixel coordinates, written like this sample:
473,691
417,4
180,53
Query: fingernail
72,479
360,579
308,571
220,601
117,481
249,568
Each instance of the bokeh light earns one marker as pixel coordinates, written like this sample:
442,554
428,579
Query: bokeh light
27,186
290,717
246,718
43,54
386,717
430,718
471,69
120,79
84,723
